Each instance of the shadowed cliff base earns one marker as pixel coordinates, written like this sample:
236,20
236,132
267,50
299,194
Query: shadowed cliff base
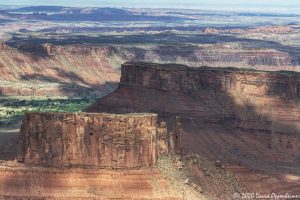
81,71
241,117
159,38
68,84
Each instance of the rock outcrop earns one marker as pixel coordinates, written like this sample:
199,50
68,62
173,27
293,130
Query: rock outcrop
86,70
95,140
91,156
26,183
185,91
49,70
229,53
241,117
249,120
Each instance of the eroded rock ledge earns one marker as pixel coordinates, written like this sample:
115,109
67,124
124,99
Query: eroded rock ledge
98,140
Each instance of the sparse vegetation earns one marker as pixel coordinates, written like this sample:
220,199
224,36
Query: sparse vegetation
174,172
198,177
93,192
13,109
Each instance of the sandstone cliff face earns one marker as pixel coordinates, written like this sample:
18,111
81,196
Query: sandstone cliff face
68,70
41,70
242,117
98,140
192,91
57,62
185,79
217,55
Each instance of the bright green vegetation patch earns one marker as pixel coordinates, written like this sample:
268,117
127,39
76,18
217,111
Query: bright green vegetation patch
12,109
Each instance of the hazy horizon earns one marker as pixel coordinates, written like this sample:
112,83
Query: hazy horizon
157,3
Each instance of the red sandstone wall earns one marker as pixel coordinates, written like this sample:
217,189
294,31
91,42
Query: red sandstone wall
181,78
260,107
243,117
101,140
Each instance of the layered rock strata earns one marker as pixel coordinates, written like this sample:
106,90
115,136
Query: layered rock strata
24,183
249,120
242,117
97,140
93,70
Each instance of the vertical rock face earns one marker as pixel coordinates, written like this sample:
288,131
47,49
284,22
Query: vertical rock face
180,78
99,140
242,117
210,93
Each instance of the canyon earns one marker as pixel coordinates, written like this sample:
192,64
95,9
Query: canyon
60,70
142,104
247,121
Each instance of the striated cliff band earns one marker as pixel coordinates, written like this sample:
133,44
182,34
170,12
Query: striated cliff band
108,156
97,140
92,70
91,156
245,118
